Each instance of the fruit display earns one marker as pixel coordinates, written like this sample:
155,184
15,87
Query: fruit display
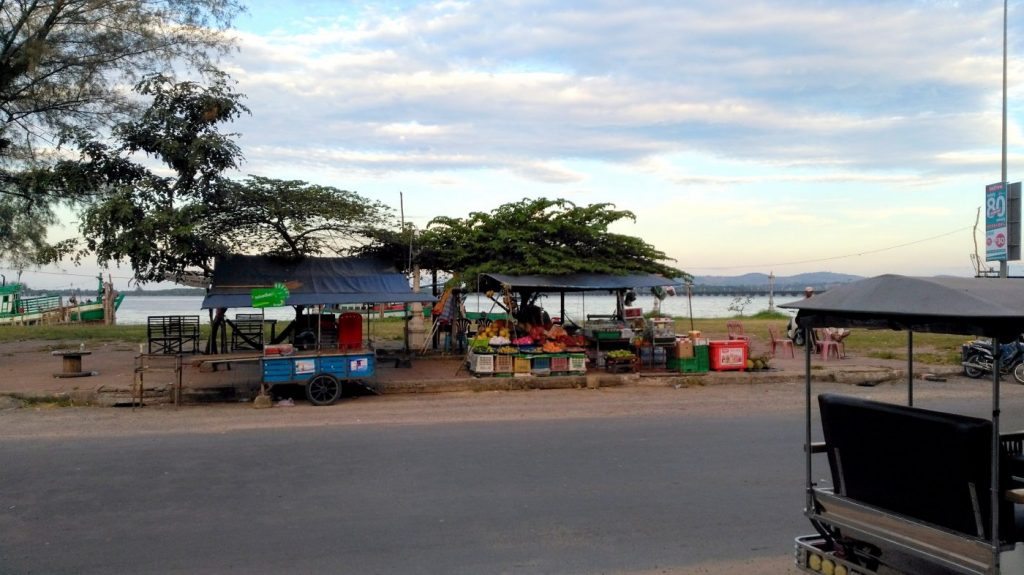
497,328
621,354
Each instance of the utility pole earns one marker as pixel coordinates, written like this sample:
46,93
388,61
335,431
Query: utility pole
1004,268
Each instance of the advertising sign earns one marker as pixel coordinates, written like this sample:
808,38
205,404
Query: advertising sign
997,235
270,297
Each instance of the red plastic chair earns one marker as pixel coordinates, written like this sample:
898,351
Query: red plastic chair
825,345
736,331
784,342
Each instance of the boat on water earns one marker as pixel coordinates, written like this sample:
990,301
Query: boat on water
18,309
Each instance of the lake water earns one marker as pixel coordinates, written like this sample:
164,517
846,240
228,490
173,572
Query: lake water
134,309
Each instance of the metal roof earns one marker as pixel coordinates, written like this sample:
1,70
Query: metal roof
969,306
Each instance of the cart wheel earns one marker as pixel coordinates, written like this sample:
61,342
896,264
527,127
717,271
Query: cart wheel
323,390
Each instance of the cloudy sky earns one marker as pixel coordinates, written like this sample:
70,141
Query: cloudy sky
781,135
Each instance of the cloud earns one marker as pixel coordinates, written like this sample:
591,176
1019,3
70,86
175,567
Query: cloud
845,88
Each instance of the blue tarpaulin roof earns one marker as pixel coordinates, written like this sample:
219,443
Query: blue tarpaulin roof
316,281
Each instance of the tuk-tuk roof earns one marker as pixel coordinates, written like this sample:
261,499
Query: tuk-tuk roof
989,307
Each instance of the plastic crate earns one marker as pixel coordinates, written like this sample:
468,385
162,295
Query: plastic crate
520,364
482,363
696,364
541,366
577,363
503,365
559,364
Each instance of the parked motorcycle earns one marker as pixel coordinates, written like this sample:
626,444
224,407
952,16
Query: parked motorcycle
976,357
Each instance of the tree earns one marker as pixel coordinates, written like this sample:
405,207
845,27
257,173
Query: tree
169,227
539,236
62,66
295,218
161,225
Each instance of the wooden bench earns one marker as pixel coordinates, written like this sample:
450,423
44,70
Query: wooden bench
173,334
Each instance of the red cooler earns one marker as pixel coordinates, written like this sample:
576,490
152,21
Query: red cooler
728,355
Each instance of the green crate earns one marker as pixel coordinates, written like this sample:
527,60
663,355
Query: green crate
699,363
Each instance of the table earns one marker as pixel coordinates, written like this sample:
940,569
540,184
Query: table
71,362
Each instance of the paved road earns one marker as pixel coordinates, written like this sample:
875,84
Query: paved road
665,492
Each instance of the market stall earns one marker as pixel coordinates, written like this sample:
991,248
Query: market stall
322,351
618,341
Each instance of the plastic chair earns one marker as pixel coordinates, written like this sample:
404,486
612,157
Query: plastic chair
482,323
736,331
784,342
460,330
825,345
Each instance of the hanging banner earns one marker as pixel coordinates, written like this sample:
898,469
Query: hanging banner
996,222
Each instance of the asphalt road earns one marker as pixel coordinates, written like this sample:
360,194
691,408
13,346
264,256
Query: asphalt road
585,496
661,492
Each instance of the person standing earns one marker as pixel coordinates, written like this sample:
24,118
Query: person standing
793,331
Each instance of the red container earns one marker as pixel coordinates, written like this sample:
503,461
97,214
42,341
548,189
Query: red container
350,331
728,355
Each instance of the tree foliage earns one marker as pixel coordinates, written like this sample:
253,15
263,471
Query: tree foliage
61,61
539,236
294,218
63,64
158,223
171,226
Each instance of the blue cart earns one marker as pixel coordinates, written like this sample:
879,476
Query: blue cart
322,374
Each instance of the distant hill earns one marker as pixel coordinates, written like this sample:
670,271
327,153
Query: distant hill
818,280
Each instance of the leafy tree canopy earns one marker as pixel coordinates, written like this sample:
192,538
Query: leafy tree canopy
539,236
62,67
158,223
173,226
294,218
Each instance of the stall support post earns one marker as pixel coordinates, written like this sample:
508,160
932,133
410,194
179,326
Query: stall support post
910,368
996,365
807,438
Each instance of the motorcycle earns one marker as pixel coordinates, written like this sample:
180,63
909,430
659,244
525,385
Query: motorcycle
976,357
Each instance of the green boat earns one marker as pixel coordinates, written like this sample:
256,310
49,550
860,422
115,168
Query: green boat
17,309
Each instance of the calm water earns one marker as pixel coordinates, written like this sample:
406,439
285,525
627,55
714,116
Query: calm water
134,309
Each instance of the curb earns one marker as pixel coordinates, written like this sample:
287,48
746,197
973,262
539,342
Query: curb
109,396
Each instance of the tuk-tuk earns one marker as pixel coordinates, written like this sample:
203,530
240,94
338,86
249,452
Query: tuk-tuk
913,490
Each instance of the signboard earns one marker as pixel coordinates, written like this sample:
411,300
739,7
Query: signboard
997,233
270,297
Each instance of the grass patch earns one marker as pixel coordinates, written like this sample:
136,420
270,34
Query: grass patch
883,344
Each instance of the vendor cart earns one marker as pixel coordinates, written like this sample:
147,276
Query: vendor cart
322,374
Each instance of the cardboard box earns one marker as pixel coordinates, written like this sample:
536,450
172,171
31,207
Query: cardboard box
684,348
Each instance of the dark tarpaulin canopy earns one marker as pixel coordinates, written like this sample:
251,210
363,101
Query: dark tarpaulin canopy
967,306
573,282
321,281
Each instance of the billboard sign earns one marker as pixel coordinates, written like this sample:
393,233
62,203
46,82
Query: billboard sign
997,234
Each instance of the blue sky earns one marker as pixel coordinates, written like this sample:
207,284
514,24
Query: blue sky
783,136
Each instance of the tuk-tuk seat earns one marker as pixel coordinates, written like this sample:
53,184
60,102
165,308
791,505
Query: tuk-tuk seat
929,466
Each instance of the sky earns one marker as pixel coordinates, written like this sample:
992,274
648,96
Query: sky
781,136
